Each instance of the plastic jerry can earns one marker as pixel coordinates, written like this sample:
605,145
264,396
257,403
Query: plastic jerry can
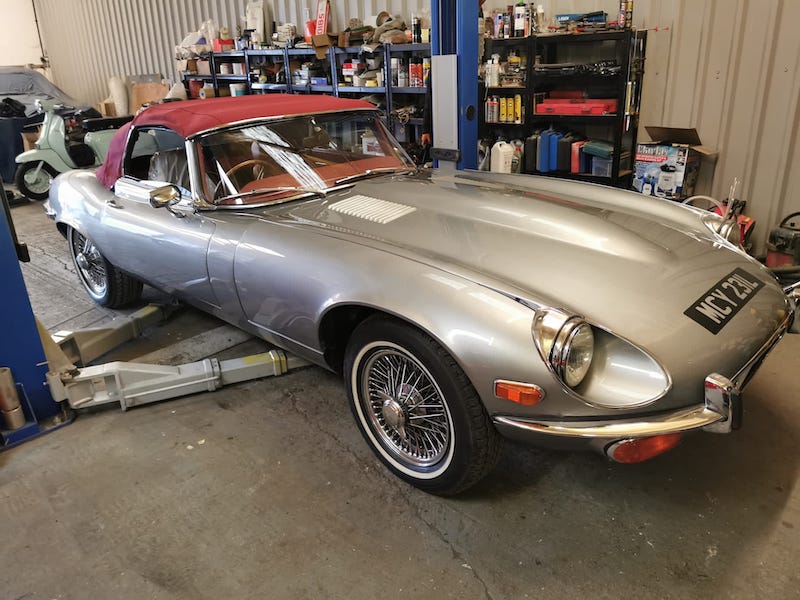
530,153
502,155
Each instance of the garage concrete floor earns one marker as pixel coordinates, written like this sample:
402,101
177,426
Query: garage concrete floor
266,490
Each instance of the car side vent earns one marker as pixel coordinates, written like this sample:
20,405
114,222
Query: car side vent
371,209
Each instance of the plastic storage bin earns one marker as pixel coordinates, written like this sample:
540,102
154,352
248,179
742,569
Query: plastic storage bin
601,167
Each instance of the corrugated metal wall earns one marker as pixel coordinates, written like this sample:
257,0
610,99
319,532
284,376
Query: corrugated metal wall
89,41
727,67
730,69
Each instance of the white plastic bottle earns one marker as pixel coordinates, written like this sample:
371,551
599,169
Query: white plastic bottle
502,155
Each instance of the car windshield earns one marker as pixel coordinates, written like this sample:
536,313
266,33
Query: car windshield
276,160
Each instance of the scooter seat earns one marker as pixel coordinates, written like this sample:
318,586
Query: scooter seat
105,123
81,155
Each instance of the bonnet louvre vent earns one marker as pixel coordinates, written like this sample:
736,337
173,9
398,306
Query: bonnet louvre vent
371,209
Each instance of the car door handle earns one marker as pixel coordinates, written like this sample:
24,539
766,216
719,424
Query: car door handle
113,204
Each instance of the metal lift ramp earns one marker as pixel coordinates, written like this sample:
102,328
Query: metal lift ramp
133,384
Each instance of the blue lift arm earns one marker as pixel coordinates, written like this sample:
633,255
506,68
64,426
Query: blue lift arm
462,41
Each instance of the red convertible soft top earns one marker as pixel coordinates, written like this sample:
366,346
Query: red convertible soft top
190,117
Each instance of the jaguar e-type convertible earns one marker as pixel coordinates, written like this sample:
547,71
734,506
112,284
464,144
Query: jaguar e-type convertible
460,308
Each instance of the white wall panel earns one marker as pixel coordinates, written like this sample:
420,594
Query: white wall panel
727,67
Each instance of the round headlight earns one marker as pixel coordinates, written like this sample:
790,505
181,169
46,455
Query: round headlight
576,356
732,232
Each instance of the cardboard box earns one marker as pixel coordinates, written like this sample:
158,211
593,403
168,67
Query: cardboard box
669,166
186,65
322,42
203,67
107,108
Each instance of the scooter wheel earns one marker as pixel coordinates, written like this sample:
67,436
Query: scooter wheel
33,179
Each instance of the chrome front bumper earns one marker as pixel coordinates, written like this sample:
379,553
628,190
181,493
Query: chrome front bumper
720,412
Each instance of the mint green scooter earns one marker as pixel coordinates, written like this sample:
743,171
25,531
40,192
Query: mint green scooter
59,148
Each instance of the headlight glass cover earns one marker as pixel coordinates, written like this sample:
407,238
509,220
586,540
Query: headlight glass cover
576,357
566,343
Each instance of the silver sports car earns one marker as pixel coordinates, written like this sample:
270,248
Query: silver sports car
460,308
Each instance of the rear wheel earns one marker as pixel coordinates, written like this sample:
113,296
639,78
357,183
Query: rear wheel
416,408
105,284
34,178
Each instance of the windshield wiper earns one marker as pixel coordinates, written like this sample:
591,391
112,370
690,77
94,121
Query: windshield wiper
374,173
276,190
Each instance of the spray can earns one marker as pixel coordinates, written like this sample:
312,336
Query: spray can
402,75
416,30
623,9
426,70
519,20
518,109
415,72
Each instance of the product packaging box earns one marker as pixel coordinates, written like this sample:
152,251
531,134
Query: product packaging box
203,67
669,166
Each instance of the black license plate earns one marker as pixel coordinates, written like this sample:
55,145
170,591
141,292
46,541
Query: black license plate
714,309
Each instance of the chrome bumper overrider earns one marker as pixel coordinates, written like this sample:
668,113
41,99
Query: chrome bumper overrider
719,413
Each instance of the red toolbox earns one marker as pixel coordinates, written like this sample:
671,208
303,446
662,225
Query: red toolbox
560,106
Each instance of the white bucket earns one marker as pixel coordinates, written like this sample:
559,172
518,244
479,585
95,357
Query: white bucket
237,89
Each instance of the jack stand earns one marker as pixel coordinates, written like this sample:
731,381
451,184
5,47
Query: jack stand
83,346
133,384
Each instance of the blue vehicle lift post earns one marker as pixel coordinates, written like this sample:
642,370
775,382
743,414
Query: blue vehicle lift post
20,347
461,42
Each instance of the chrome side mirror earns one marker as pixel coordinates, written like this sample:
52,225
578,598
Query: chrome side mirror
166,196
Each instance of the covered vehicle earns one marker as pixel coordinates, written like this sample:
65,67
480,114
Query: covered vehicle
22,87
460,309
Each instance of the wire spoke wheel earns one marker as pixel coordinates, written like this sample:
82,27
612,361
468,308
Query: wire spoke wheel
405,406
89,263
416,409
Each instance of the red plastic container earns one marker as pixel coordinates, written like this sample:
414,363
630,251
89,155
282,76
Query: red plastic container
554,106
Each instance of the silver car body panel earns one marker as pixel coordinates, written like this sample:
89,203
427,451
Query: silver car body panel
466,258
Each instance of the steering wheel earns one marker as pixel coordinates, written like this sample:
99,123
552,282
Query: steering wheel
252,162
248,163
